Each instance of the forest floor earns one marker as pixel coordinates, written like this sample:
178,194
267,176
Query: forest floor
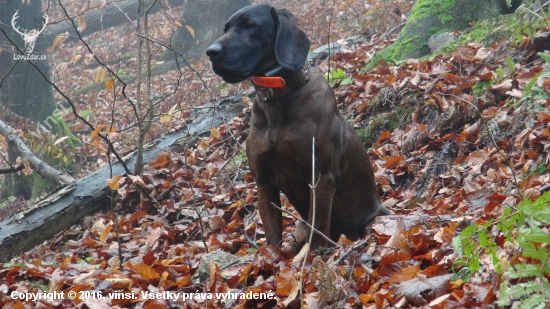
457,140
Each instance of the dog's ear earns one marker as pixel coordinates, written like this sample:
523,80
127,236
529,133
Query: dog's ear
292,43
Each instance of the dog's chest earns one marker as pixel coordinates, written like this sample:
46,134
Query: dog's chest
278,139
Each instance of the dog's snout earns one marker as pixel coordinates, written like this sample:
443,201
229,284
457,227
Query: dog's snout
214,50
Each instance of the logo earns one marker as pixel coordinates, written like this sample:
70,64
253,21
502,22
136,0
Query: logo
30,39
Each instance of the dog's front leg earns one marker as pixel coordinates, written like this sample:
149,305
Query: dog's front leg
272,218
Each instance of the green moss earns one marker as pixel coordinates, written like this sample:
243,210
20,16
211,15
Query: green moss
396,51
445,19
426,8
481,86
234,164
433,30
377,125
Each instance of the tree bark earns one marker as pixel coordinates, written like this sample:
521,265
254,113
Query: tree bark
90,194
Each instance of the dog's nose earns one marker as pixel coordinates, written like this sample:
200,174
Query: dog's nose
214,50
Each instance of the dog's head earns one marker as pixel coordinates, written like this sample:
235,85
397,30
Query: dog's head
256,38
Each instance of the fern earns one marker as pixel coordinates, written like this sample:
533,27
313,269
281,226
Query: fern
533,301
544,56
523,271
530,287
518,291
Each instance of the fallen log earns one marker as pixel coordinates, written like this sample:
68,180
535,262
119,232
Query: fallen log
90,194
42,168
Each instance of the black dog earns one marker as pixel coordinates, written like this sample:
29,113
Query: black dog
294,104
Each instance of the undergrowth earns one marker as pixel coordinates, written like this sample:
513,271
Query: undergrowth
525,269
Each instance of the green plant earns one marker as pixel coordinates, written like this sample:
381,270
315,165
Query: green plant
525,281
482,85
86,113
336,75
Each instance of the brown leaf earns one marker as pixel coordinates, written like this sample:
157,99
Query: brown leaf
405,274
59,39
419,292
366,298
110,85
60,140
286,282
81,24
61,67
215,133
215,277
393,162
531,194
190,30
521,138
162,160
481,54
120,283
145,271
98,74
113,182
95,133
442,104
75,59
105,233
216,222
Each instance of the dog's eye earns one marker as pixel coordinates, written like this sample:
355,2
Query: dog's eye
250,25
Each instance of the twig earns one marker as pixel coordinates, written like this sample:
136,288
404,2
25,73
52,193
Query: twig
544,188
9,170
540,7
330,241
431,87
358,245
312,186
246,222
127,17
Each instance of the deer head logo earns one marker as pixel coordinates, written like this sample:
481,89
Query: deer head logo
28,36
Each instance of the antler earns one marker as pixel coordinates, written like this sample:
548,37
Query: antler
16,16
45,23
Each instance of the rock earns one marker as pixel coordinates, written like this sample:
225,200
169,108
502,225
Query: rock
437,41
322,52
222,259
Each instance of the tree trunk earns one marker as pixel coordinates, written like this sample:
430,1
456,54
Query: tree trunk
429,17
90,194
23,90
206,18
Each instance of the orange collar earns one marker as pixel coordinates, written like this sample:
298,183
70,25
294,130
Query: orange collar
268,82
269,88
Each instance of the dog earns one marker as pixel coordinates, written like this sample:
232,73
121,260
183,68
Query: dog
295,103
